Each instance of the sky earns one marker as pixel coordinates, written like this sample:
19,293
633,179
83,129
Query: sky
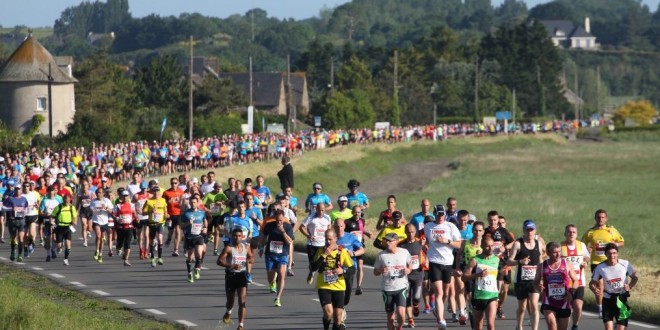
43,13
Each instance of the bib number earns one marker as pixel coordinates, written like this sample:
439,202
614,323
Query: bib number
556,291
19,212
527,273
158,217
330,277
125,218
488,283
414,262
276,247
196,228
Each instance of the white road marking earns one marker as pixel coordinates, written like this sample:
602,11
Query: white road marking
316,300
186,323
257,284
20,263
78,284
3,258
126,302
203,268
155,311
101,293
37,268
56,275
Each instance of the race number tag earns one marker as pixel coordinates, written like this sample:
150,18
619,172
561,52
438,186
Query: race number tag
614,285
600,249
527,273
488,283
414,262
239,260
497,248
556,291
125,218
276,247
319,234
436,233
19,211
397,271
215,208
158,217
330,277
196,228
86,202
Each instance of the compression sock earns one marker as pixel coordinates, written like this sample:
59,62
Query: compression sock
151,251
198,263
326,324
160,250
13,246
66,253
188,265
20,248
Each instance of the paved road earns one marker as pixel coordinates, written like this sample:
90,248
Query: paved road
165,293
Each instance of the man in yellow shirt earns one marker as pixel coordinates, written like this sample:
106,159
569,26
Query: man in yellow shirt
156,209
395,227
596,239
66,217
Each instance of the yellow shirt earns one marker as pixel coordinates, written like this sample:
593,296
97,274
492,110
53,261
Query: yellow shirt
328,279
401,232
596,239
156,209
76,160
345,214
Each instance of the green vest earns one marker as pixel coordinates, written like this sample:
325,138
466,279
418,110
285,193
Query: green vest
486,287
64,215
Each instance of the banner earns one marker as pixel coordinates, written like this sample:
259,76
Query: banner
162,128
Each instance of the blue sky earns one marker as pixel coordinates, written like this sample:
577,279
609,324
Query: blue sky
37,13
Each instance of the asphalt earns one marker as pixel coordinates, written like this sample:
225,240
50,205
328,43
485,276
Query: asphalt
163,292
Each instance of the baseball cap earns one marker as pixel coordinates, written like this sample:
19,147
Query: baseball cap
144,185
155,188
342,198
153,181
317,186
396,215
529,224
194,180
125,193
439,209
391,237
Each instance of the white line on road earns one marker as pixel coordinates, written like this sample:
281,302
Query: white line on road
203,268
126,302
37,268
316,300
20,263
101,293
3,258
56,275
155,311
257,284
186,323
78,284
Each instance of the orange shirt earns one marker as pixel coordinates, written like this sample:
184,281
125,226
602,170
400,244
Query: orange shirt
173,199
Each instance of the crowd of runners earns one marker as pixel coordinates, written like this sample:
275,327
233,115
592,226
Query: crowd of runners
441,258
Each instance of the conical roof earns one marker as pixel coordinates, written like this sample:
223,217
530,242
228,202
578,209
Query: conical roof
29,62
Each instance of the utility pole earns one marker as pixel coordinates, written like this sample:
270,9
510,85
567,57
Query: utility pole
190,92
513,107
476,89
332,74
395,91
50,102
289,114
577,104
251,91
598,89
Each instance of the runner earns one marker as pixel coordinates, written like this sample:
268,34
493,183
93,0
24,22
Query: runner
314,228
16,207
557,281
48,204
394,264
418,218
101,208
66,216
31,216
577,254
317,197
235,257
526,254
394,226
415,248
83,202
356,226
457,295
194,225
614,273
156,209
139,199
173,198
356,198
355,248
215,201
263,192
503,241
482,271
331,261
243,222
343,212
596,238
254,212
442,237
124,212
277,238
452,210
385,217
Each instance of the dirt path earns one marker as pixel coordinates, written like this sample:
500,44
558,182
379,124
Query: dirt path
408,177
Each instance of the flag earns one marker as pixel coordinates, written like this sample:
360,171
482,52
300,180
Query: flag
162,128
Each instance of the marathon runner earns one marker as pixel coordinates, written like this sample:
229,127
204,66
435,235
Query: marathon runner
418,259
101,208
173,198
16,207
124,212
235,257
482,271
394,264
276,238
66,216
557,281
355,248
576,253
314,228
194,225
46,208
156,209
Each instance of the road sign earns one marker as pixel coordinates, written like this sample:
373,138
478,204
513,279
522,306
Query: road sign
317,121
503,115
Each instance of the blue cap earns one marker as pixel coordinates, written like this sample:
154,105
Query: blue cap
529,224
144,185
11,182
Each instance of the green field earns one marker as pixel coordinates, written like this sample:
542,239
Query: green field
38,33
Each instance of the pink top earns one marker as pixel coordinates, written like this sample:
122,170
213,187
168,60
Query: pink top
557,284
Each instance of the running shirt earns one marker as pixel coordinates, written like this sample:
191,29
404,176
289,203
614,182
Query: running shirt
254,213
399,231
16,207
418,220
196,220
417,258
470,251
173,199
124,213
597,238
575,255
244,223
139,200
263,193
501,238
486,287
32,198
527,273
556,285
439,253
350,243
238,257
394,277
314,199
614,277
101,209
328,279
338,214
85,199
276,244
214,202
48,204
316,227
156,209
356,199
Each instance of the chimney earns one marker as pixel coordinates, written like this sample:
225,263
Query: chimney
587,24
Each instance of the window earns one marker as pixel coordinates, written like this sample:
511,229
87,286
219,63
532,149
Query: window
42,103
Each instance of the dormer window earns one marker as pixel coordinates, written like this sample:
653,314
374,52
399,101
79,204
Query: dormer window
560,33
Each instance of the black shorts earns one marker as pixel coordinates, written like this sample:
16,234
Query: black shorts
124,237
611,311
104,228
311,252
174,221
335,298
524,288
16,226
503,275
192,241
162,161
86,212
62,233
30,219
47,227
579,293
559,312
235,281
217,220
155,229
439,272
254,243
40,220
141,223
481,304
394,299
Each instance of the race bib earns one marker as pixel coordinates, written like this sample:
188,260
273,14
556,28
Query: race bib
436,233
414,262
396,272
276,247
319,234
488,283
497,247
49,209
196,228
527,273
215,208
126,218
330,277
158,217
614,285
600,249
557,291
19,211
86,202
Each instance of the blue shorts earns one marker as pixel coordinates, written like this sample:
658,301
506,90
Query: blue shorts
272,261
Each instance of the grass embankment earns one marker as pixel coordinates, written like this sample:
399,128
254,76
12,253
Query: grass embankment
31,301
543,178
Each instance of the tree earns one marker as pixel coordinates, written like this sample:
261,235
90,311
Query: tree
161,83
350,109
218,96
641,111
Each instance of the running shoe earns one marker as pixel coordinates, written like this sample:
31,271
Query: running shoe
574,327
310,278
500,313
248,277
277,302
175,253
358,291
211,238
19,259
191,278
442,325
240,327
411,323
48,258
66,262
160,261
415,310
197,273
462,320
273,287
427,309
127,264
100,260
2,240
12,256
290,272
215,252
227,318
41,242
454,318
96,255
153,262
53,255
110,254
85,243
30,249
59,250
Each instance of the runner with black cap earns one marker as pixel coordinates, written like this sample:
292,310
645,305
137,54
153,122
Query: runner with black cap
394,264
356,197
